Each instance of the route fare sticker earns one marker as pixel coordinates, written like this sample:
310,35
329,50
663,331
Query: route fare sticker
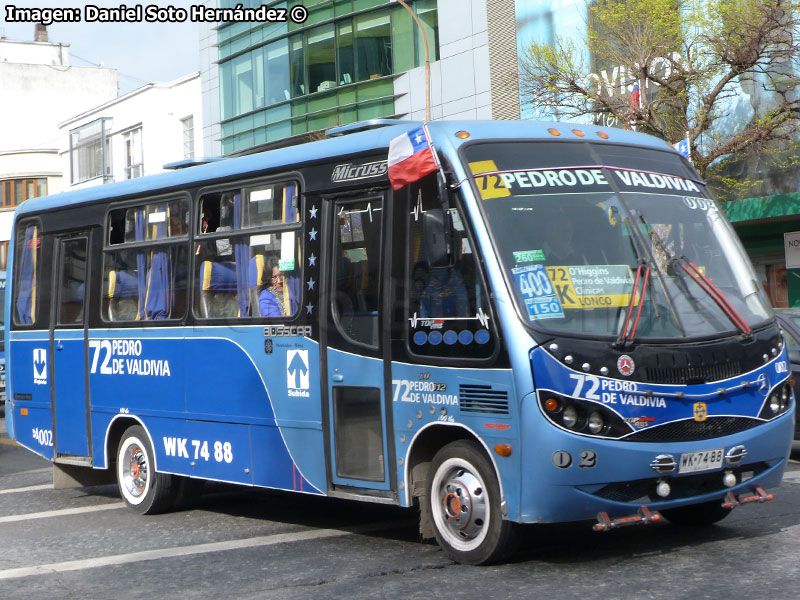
538,293
525,256
600,286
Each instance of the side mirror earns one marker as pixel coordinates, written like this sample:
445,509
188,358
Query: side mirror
436,233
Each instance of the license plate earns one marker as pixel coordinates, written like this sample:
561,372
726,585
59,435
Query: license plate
705,460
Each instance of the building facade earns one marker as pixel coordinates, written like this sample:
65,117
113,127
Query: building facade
351,60
133,135
39,89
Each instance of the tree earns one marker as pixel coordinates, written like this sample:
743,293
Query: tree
692,60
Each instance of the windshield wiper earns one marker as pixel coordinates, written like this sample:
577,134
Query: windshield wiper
624,333
704,282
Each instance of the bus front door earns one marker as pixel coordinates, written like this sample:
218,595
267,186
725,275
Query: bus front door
68,347
355,337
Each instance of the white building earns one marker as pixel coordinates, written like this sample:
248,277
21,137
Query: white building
38,90
142,131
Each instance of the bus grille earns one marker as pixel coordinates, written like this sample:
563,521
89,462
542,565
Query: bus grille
686,431
643,490
684,375
482,399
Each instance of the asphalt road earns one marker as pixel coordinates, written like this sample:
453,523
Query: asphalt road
238,543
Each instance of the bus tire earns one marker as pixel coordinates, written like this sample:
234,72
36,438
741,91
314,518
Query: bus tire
696,515
463,504
142,489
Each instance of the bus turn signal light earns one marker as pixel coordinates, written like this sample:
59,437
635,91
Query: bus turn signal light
23,412
503,449
551,404
462,135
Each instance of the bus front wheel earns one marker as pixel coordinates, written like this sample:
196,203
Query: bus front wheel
142,489
463,504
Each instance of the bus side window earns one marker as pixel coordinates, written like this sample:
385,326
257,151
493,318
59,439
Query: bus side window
27,272
145,283
447,305
243,275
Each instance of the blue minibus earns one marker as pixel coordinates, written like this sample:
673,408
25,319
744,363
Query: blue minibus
556,324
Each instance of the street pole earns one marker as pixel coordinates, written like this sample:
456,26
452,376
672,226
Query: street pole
427,60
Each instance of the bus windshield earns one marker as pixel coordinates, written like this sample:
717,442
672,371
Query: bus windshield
613,241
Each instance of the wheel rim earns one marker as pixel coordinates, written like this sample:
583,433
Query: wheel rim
460,504
134,471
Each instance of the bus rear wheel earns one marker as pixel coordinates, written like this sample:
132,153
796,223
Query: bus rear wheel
463,504
142,489
696,515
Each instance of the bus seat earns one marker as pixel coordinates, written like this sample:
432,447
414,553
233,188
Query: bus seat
255,281
218,290
123,296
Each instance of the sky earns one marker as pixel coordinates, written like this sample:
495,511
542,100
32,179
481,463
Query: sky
141,52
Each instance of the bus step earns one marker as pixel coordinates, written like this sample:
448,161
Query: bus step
760,496
643,516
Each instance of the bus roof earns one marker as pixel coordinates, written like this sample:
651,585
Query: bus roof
442,133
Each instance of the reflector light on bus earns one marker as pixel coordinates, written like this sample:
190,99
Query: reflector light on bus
503,449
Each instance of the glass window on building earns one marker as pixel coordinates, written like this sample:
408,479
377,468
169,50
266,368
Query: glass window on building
297,69
276,71
134,166
188,137
16,191
344,52
321,59
373,37
243,83
90,151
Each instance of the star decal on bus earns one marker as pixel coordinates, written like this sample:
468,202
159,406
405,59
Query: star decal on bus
312,260
309,308
312,235
312,212
311,283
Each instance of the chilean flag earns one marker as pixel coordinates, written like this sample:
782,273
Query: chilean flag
410,158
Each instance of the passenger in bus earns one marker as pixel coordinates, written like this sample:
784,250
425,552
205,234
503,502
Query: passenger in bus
271,298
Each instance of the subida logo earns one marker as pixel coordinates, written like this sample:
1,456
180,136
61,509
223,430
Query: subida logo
297,375
39,366
351,172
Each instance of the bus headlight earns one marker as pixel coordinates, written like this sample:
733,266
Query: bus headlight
779,401
596,423
582,416
570,417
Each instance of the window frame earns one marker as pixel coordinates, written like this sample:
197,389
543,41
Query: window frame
456,202
19,228
107,249
244,187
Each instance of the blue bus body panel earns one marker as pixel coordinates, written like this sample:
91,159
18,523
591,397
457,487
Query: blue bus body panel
216,406
70,389
559,493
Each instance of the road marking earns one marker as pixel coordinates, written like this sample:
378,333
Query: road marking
30,488
792,476
60,513
179,551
